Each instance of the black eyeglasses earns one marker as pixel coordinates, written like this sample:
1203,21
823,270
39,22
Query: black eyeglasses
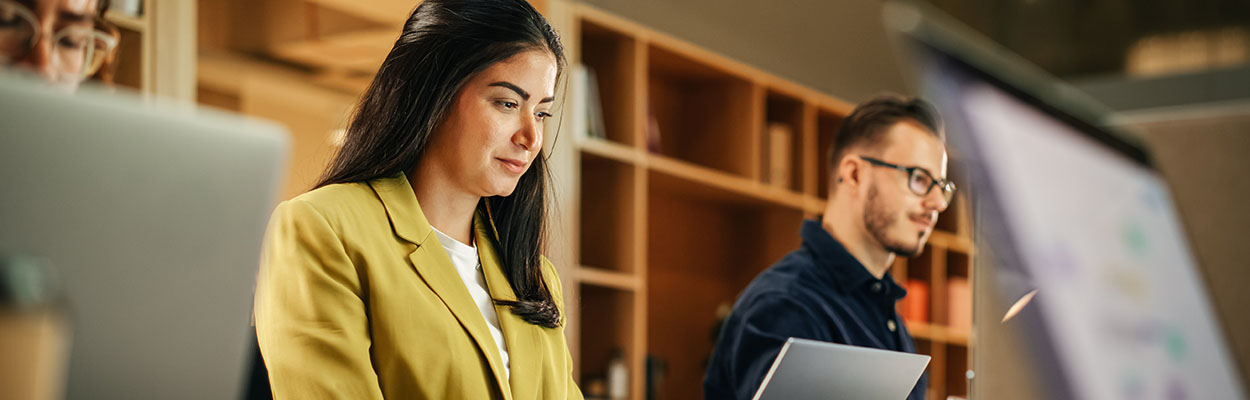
919,180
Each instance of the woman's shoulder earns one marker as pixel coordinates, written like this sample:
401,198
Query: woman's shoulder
336,200
337,194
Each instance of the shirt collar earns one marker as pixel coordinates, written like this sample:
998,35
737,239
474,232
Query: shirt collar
847,272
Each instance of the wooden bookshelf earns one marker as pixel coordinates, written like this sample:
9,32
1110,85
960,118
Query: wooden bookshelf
156,53
659,236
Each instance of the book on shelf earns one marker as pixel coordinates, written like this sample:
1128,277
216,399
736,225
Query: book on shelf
959,295
778,141
587,105
653,133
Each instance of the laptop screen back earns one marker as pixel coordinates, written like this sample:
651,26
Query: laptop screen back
1079,216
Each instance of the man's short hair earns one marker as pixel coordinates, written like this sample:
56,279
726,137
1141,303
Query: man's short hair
868,123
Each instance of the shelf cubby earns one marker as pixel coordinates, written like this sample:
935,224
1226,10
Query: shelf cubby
702,114
130,54
607,209
956,370
610,327
614,57
698,265
787,112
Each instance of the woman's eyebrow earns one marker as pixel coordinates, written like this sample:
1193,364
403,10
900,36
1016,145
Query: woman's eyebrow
520,92
524,95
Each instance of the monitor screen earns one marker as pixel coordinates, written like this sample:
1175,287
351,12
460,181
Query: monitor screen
1080,217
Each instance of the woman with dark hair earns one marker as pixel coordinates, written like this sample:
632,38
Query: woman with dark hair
413,269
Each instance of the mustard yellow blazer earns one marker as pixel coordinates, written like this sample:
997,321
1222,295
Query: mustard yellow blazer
356,299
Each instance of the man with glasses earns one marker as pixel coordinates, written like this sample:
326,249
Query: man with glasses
58,40
887,184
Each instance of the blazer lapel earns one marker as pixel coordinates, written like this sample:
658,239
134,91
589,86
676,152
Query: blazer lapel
525,347
435,268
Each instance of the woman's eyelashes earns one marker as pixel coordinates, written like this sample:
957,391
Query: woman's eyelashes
512,105
507,104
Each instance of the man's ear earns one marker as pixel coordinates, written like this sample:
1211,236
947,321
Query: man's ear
849,172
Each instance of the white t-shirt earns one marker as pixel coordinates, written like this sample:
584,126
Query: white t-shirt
468,265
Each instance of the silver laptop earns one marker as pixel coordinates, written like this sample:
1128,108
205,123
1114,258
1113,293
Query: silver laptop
809,369
152,217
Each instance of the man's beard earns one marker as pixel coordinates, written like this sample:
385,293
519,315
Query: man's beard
878,220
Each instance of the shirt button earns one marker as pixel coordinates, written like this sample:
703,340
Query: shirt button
890,324
876,287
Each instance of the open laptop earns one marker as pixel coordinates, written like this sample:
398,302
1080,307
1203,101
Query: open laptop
809,369
1076,213
152,217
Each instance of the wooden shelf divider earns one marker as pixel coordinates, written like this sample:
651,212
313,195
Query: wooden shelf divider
615,151
606,278
125,21
702,177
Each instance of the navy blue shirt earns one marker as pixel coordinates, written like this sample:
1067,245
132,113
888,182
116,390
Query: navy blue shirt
817,292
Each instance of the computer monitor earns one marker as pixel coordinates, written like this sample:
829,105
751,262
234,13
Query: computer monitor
152,218
1076,213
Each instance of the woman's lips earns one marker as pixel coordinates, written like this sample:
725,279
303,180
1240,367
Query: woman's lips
512,165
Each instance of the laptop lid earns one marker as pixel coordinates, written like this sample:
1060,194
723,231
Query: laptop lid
152,217
809,369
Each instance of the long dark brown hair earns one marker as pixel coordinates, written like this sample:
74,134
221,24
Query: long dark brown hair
445,43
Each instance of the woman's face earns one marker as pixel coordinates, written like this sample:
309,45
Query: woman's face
494,130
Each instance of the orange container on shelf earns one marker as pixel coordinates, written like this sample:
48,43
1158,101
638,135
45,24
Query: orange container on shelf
915,307
959,293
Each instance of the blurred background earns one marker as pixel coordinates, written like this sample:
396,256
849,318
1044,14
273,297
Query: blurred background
688,120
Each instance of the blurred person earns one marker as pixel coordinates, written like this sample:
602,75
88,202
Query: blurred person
887,172
413,268
57,40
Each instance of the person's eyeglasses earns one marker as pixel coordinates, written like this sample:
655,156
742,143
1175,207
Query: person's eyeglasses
77,51
918,179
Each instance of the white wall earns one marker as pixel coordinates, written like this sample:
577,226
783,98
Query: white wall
836,46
